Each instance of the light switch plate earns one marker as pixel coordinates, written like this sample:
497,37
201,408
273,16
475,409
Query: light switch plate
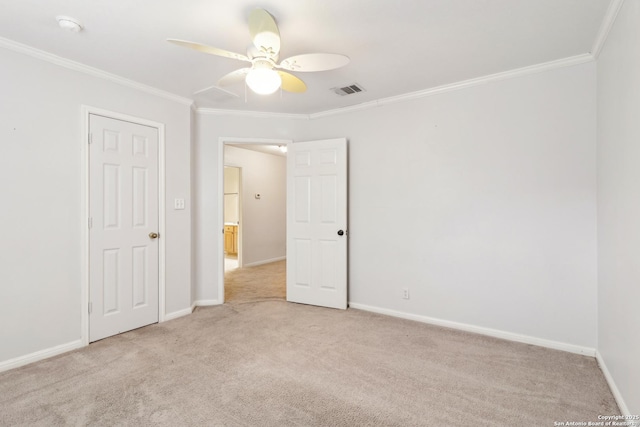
178,204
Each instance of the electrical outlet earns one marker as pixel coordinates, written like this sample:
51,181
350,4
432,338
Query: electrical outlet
178,204
405,293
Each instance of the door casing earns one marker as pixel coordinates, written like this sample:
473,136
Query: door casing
84,224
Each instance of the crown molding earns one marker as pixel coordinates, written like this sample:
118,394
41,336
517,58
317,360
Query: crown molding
253,114
607,23
519,72
342,110
612,12
95,72
505,75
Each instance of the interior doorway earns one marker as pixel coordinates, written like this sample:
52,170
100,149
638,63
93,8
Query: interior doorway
260,224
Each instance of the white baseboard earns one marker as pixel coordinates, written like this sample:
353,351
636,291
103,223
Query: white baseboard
188,311
63,348
624,409
179,313
266,261
204,303
40,355
526,339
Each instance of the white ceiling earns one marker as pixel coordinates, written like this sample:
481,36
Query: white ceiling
396,47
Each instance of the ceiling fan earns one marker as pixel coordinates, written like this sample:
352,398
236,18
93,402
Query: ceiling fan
265,75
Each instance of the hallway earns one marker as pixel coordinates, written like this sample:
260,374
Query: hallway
251,284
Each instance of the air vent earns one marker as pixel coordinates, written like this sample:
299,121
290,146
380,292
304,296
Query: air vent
348,90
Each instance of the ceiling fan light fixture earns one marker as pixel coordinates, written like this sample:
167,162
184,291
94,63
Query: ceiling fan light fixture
263,79
267,73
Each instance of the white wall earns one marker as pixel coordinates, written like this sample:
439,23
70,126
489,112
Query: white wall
40,185
210,128
619,204
481,201
264,221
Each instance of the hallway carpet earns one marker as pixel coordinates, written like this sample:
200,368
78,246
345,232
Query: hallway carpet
259,283
260,361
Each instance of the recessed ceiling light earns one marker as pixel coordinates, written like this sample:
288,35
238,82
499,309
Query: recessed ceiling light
69,24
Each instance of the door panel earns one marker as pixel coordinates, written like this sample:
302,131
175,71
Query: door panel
123,210
317,210
111,280
140,276
140,202
302,199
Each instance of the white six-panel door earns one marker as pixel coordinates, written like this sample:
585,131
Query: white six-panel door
123,210
317,223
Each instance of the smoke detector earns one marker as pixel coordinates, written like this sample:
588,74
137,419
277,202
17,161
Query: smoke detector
69,24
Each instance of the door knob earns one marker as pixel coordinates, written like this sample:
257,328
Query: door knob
153,235
340,232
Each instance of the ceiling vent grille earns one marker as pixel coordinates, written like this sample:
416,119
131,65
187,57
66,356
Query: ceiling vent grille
348,90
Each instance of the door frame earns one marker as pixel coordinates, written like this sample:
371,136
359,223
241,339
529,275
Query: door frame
222,141
84,225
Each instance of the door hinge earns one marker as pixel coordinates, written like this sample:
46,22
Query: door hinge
90,307
90,222
90,138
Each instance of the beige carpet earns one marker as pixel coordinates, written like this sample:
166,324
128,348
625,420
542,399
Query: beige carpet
263,282
260,361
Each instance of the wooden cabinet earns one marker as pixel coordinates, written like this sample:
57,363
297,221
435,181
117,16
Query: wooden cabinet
231,239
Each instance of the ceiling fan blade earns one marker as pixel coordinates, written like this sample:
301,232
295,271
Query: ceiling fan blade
291,83
236,76
314,62
264,32
209,49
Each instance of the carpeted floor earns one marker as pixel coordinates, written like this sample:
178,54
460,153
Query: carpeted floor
260,361
263,282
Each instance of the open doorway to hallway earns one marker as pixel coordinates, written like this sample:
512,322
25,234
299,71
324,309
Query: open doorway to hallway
254,211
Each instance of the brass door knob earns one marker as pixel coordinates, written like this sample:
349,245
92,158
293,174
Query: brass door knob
153,235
